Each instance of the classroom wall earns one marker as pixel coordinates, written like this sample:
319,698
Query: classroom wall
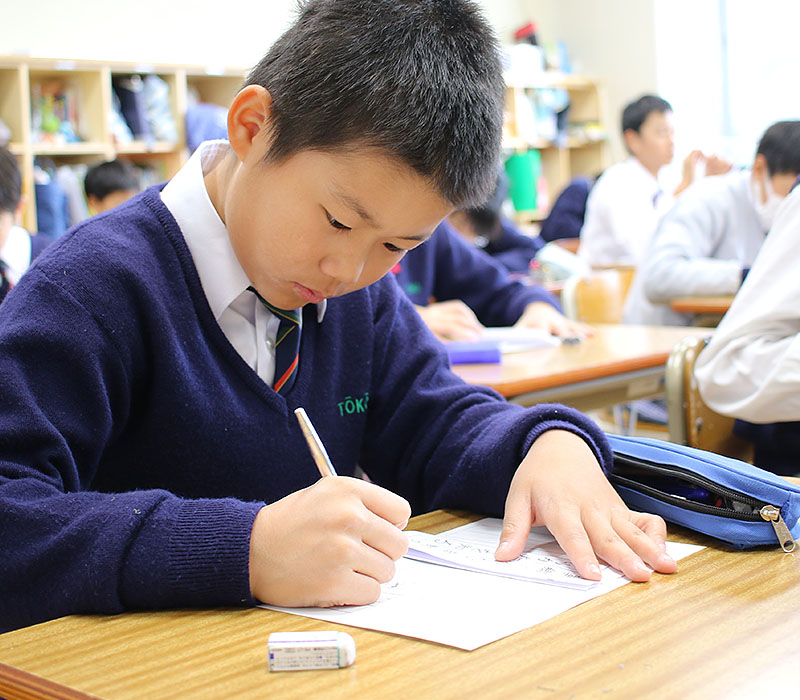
173,31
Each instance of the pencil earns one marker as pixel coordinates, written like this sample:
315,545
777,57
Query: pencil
318,452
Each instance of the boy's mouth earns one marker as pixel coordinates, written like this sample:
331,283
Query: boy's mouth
310,295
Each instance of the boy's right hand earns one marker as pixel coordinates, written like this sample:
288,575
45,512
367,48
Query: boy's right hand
332,543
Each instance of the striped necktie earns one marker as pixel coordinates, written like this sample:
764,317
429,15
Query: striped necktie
287,345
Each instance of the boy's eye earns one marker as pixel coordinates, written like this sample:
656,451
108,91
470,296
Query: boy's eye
392,248
337,224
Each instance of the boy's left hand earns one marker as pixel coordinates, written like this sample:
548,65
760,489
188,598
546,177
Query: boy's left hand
560,485
540,314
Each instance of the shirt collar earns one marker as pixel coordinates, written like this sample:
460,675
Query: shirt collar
186,197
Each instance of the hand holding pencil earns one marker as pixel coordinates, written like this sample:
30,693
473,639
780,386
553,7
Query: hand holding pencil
332,543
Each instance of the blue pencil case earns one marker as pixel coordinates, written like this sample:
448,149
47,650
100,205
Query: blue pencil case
722,497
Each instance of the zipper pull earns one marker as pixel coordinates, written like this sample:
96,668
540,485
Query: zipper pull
773,516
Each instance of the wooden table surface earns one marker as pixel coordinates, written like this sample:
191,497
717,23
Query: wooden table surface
623,353
702,305
725,626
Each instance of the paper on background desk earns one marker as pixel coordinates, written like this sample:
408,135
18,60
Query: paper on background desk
520,339
467,609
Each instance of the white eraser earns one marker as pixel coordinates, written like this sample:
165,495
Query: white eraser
300,651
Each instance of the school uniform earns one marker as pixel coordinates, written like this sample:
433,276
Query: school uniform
751,367
567,214
622,212
446,267
137,444
702,247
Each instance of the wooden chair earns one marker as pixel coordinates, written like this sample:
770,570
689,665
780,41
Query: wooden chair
691,422
598,297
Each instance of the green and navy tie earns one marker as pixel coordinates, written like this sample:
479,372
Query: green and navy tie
287,345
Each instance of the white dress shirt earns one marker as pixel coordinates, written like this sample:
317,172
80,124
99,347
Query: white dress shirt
751,367
249,326
622,212
16,253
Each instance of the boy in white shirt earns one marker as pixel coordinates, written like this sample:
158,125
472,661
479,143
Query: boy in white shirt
706,244
627,201
17,247
751,367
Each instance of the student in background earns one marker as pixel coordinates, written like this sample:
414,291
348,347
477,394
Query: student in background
458,289
706,244
627,201
151,361
17,247
487,229
110,184
568,212
751,367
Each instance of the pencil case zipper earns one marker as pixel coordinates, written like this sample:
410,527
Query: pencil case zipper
761,510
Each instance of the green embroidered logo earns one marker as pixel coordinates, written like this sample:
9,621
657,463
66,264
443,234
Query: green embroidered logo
413,287
351,405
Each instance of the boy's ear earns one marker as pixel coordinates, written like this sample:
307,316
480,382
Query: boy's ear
631,139
760,170
249,115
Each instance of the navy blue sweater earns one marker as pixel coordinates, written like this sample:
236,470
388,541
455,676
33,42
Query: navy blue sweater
136,446
512,248
447,267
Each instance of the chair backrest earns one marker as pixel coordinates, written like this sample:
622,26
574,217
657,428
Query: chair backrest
691,422
598,297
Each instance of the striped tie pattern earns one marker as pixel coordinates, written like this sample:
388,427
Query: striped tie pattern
287,345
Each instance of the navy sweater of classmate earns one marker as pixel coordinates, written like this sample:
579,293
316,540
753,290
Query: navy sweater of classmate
137,446
446,267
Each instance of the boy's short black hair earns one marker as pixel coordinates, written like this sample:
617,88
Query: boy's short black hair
10,182
780,145
418,79
635,113
111,176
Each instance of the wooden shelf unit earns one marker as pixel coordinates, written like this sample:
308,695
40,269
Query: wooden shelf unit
562,160
91,84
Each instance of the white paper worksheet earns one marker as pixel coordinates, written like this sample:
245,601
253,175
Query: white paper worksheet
467,609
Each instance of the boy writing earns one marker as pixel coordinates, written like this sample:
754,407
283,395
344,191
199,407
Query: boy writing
471,290
153,460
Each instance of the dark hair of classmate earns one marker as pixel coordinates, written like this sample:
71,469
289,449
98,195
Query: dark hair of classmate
635,113
418,79
780,145
10,181
111,176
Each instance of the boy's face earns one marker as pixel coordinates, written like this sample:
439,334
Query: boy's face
654,144
111,200
319,224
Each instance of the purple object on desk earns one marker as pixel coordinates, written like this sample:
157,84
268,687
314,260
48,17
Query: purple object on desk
463,352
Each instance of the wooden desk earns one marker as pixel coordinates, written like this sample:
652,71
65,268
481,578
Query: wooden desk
618,364
724,626
717,305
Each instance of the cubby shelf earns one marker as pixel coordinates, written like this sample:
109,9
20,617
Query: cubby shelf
90,83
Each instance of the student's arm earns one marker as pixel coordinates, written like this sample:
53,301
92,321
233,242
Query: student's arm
751,368
68,549
443,444
679,260
470,275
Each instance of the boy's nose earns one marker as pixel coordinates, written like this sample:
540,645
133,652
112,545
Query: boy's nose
344,266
